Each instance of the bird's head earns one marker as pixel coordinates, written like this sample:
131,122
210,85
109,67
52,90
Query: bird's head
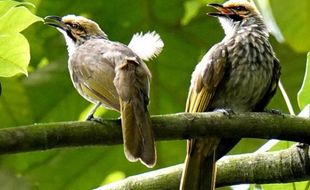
76,29
235,13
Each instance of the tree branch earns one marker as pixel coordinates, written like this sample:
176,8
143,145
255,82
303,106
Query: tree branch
259,168
166,127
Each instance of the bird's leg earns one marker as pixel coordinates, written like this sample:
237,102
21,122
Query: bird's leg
90,115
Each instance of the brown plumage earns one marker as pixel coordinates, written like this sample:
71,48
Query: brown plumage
111,74
240,73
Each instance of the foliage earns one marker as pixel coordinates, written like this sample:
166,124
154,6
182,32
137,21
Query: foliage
47,94
14,55
304,92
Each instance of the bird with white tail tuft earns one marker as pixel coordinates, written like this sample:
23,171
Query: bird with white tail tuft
113,75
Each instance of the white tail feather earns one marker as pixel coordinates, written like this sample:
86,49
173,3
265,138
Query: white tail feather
146,46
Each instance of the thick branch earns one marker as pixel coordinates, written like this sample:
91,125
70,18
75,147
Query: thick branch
167,127
259,168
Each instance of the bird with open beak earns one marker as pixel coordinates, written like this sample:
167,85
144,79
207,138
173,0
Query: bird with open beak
238,74
113,75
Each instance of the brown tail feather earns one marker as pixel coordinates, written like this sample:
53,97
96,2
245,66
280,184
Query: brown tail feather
199,171
137,133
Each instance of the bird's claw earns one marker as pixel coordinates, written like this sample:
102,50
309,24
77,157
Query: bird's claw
90,117
302,145
225,111
274,111
95,119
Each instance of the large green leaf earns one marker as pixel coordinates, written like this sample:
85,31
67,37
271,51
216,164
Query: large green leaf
14,54
304,92
16,19
7,5
293,19
13,58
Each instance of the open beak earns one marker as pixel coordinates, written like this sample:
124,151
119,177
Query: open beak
55,21
222,11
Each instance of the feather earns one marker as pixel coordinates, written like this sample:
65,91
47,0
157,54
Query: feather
146,46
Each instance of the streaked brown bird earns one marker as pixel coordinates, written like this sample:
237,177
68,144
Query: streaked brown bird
239,74
113,75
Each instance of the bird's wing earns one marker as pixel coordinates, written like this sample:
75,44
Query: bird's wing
93,75
272,88
199,166
205,79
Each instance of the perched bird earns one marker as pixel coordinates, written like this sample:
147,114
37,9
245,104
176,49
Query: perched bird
113,75
238,74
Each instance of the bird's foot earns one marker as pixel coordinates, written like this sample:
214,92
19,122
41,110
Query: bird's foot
302,145
91,117
226,111
274,111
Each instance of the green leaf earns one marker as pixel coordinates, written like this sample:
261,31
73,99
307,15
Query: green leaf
191,10
6,5
287,186
303,97
293,21
114,176
14,104
17,19
14,54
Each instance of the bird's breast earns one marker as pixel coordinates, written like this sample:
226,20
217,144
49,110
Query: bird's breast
247,77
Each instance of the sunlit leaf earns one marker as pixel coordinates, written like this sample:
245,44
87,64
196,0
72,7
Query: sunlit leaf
6,5
17,19
304,92
14,54
114,176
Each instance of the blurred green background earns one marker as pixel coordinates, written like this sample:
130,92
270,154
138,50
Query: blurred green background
47,94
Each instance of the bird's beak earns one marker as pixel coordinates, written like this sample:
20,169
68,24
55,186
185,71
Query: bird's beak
222,11
55,21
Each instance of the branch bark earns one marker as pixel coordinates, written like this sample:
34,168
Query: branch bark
251,168
259,168
166,127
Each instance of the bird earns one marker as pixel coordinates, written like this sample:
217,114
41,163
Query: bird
113,75
238,74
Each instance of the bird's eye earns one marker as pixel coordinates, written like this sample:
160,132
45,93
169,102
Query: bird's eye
240,8
76,26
